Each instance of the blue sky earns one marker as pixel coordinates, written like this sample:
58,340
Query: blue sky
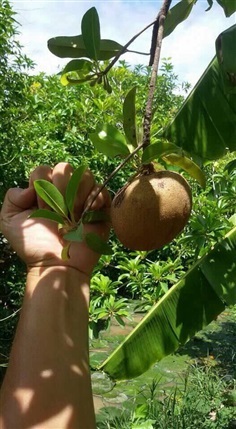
190,46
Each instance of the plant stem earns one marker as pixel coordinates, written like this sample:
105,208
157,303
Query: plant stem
148,113
123,50
152,86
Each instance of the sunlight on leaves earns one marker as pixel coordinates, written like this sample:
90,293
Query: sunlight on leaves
187,165
129,117
65,256
76,234
72,188
47,214
50,194
110,141
177,14
157,150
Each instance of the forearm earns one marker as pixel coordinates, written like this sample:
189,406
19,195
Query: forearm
47,384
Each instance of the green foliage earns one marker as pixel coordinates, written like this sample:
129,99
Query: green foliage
52,196
104,306
89,45
107,138
157,150
129,117
63,213
225,49
90,27
229,6
211,213
13,83
177,14
72,188
201,403
209,132
97,244
110,141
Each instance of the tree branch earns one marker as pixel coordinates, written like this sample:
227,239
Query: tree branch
123,50
158,31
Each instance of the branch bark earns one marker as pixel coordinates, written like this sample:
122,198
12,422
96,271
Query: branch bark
158,31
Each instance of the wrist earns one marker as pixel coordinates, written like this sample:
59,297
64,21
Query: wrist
41,271
49,280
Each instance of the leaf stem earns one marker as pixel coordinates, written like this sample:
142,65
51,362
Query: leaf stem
123,50
159,31
137,52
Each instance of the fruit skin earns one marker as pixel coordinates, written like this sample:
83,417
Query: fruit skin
151,210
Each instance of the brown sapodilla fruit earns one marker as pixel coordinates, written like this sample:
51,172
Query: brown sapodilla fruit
151,210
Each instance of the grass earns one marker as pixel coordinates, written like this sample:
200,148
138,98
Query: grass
201,396
208,401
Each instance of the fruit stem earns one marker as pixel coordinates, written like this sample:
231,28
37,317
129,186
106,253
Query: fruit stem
112,175
158,30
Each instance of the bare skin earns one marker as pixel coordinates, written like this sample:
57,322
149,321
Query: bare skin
47,384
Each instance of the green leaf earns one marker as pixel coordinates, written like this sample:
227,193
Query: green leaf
80,66
47,214
67,46
72,188
156,150
76,234
106,84
225,51
119,320
232,219
230,166
74,47
65,256
206,123
110,141
90,28
176,15
129,117
108,49
229,6
67,80
50,194
97,244
94,216
187,165
210,2
190,305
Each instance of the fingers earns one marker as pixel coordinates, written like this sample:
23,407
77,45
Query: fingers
103,199
85,188
16,201
61,175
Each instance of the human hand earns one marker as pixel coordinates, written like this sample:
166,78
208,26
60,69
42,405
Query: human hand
37,241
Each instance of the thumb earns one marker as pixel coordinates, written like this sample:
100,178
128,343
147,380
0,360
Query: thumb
17,200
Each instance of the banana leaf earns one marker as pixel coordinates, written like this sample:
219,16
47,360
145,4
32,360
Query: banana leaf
205,125
197,299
